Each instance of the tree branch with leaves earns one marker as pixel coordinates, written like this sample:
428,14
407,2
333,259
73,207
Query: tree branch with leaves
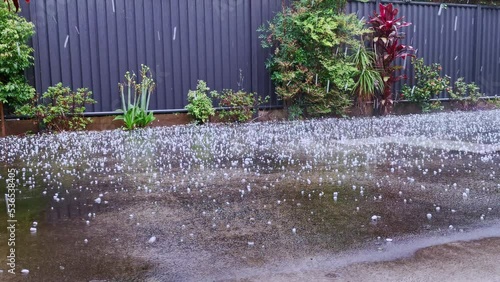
16,57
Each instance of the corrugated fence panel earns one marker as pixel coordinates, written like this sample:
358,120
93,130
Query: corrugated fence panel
262,11
489,58
440,35
92,43
364,10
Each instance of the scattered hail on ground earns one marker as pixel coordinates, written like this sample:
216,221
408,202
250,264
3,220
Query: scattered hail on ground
221,202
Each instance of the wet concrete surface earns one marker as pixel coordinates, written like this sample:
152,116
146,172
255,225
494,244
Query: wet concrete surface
278,201
467,256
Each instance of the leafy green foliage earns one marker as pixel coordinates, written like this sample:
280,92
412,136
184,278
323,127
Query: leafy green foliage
494,102
200,104
60,108
241,106
465,95
312,42
295,111
429,84
15,57
335,6
135,109
369,80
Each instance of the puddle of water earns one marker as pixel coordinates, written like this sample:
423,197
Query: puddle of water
57,250
226,198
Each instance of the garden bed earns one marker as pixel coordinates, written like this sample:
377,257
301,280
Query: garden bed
99,123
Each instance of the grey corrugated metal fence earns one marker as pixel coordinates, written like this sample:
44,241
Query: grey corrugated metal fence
92,43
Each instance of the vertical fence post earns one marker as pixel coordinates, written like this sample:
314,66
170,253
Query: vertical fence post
477,45
250,43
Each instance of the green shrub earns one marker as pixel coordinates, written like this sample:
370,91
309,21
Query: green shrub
241,106
135,109
311,61
368,79
60,108
199,103
428,85
465,95
15,57
493,102
295,111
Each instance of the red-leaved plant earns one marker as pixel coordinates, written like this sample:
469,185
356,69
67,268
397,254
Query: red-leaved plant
16,3
386,36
